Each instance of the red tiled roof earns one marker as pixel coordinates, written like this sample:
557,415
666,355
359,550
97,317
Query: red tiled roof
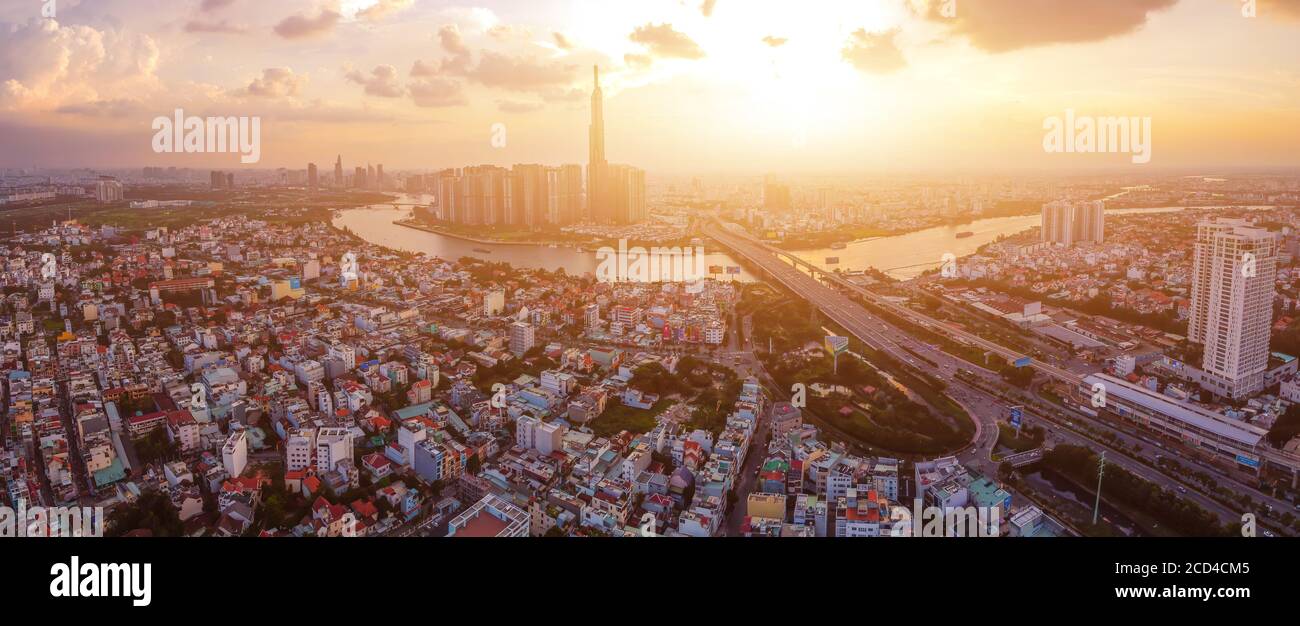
181,418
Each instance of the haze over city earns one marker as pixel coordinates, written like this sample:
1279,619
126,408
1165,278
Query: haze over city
690,86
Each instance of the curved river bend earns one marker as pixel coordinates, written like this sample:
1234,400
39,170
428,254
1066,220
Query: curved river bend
902,256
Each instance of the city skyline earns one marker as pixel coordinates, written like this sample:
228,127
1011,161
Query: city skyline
884,85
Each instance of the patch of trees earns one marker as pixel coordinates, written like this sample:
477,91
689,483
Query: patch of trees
152,511
1121,486
1286,427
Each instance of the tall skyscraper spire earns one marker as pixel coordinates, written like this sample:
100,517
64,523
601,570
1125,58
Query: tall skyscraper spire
596,163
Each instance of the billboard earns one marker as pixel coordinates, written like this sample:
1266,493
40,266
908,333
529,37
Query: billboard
836,345
1017,413
733,269
1023,361
832,260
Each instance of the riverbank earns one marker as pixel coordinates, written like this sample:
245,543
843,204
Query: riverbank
495,242
585,245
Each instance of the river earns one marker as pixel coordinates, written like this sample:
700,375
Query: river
375,224
901,256
909,255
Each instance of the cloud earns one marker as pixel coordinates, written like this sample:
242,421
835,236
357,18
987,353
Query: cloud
520,73
383,8
534,73
222,27
510,106
562,42
638,61
1004,25
381,82
213,5
1283,9
775,42
420,68
876,53
45,65
436,92
556,94
276,82
117,108
706,9
506,32
452,43
450,39
663,41
300,26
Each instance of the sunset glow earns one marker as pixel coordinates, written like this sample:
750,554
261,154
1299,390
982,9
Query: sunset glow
749,87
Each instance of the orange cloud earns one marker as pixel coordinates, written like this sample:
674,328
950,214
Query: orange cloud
301,26
381,82
1004,25
1284,9
876,53
437,92
276,82
662,40
383,8
45,65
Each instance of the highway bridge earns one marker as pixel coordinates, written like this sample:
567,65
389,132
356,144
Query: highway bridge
799,276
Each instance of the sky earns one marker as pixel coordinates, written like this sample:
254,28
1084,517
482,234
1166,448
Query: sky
691,86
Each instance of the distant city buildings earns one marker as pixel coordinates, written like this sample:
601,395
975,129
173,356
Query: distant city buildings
108,190
1068,222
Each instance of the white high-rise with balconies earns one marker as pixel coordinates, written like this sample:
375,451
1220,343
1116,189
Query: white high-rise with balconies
522,338
1234,266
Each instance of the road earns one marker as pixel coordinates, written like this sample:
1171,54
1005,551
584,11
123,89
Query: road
868,328
749,472
986,409
80,476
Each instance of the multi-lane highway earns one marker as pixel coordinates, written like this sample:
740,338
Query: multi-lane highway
871,330
983,407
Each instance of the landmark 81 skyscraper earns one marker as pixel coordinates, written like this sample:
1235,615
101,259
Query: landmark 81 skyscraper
597,166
